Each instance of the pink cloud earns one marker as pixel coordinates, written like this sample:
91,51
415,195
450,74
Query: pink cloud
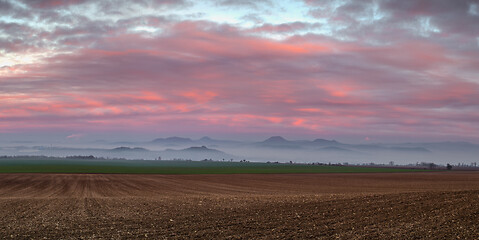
200,96
222,78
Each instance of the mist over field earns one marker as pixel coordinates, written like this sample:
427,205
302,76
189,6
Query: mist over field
239,119
273,149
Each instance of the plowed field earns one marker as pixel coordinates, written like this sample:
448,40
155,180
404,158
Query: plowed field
436,205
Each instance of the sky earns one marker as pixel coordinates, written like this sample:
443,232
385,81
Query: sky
357,71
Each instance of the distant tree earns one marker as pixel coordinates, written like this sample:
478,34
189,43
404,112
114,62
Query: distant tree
449,166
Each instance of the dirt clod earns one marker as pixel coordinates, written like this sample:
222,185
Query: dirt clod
442,205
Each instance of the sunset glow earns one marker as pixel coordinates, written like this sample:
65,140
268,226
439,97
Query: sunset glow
353,70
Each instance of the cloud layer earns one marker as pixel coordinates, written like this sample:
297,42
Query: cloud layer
376,69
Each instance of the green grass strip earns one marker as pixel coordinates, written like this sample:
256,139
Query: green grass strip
68,165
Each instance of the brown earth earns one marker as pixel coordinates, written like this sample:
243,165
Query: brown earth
441,205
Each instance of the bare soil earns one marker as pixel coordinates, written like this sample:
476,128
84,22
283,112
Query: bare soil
437,205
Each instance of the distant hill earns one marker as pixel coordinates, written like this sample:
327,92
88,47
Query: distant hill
201,149
215,142
279,142
325,142
276,140
128,149
274,148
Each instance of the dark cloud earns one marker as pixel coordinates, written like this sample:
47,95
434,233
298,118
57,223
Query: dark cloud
389,21
5,7
382,66
211,71
253,4
452,17
52,4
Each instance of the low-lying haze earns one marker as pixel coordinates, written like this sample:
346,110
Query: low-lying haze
273,149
